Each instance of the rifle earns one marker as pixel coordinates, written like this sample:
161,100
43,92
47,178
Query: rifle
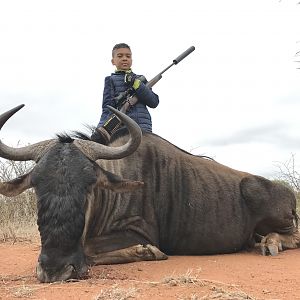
132,100
128,99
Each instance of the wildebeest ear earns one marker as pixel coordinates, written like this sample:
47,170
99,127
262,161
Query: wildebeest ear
255,190
16,186
110,181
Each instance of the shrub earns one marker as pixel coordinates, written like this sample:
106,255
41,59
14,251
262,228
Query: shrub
18,214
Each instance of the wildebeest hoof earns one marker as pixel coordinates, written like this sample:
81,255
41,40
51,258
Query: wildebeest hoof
150,252
156,252
271,244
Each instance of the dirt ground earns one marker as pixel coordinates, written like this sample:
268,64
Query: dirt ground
246,275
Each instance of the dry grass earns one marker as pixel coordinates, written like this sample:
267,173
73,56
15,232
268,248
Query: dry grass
186,278
117,293
219,290
18,214
199,288
220,293
22,292
18,218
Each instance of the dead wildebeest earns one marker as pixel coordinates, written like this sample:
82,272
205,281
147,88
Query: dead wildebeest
171,202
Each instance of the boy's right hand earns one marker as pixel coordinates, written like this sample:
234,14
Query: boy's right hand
129,79
133,80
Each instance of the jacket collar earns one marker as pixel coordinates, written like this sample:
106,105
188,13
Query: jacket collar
119,71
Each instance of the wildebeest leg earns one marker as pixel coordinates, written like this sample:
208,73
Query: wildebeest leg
121,247
130,254
275,242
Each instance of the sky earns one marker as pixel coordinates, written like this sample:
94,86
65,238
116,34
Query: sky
236,98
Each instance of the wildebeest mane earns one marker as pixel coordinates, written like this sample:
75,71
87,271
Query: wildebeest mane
118,134
184,151
69,137
64,138
83,135
123,131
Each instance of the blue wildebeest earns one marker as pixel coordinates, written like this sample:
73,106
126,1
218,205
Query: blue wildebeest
171,202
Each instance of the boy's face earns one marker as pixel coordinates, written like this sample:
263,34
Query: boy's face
122,59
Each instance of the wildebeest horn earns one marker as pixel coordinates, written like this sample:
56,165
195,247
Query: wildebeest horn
31,152
96,151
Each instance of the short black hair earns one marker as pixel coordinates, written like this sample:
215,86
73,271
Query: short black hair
119,46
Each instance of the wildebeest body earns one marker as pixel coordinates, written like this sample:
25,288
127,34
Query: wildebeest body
188,204
141,198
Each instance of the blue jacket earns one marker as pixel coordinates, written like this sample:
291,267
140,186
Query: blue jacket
113,86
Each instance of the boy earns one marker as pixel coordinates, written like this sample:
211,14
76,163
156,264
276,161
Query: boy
122,80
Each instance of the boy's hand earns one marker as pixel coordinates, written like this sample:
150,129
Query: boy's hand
132,80
129,79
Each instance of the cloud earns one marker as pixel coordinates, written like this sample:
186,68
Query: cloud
276,134
236,96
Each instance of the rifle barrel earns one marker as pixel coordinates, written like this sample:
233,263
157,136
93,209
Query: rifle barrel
183,55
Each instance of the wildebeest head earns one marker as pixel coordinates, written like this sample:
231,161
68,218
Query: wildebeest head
64,177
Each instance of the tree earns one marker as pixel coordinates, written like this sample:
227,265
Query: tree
288,173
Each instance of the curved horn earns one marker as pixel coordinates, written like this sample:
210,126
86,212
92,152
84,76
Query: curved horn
96,151
32,152
5,116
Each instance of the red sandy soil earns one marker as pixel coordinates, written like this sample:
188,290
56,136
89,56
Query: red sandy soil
246,275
